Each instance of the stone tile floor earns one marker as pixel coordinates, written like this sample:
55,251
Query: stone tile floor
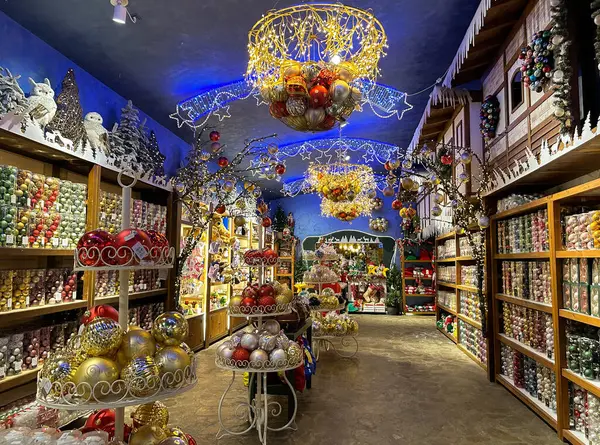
408,385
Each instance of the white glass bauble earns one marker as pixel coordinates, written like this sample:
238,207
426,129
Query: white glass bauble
597,20
558,76
557,39
559,112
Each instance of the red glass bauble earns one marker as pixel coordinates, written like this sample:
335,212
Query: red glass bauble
133,246
278,109
102,310
220,209
325,78
253,257
160,245
266,222
100,419
92,245
247,304
280,169
387,165
249,292
270,255
318,96
268,302
266,290
223,162
396,204
215,135
328,123
446,159
240,354
191,440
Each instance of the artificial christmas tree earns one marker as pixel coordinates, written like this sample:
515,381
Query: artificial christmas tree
11,94
279,220
125,140
157,159
68,120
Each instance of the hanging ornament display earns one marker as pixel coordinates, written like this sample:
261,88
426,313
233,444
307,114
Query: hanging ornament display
562,74
377,203
379,224
537,61
311,90
489,117
340,182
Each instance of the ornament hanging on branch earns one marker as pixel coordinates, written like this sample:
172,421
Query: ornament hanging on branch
489,116
563,72
68,120
537,61
379,224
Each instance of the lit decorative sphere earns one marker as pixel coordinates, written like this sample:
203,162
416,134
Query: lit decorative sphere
294,352
394,163
463,177
273,148
101,336
101,310
258,357
483,222
94,378
214,136
438,198
278,356
407,164
465,157
597,20
90,248
272,327
133,246
267,342
204,155
215,147
170,328
407,183
239,221
396,204
559,112
280,169
266,222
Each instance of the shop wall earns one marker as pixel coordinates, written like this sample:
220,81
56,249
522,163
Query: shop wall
25,54
307,213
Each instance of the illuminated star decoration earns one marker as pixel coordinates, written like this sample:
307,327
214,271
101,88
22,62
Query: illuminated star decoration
194,112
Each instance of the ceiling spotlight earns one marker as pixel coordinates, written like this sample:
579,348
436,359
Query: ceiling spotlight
120,13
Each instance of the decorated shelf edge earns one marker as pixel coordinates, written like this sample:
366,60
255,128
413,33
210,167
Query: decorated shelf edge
36,134
266,366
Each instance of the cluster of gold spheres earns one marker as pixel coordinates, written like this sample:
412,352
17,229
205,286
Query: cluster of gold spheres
311,62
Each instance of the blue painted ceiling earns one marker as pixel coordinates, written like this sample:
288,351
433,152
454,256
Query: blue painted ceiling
178,48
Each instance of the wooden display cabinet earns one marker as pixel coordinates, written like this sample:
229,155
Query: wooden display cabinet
285,275
403,264
26,154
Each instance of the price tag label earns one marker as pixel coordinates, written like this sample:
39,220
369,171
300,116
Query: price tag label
139,250
18,364
74,295
2,372
81,328
65,242
10,240
27,301
58,297
28,202
42,204
34,362
57,206
55,242
9,303
43,241
103,215
130,288
24,241
13,199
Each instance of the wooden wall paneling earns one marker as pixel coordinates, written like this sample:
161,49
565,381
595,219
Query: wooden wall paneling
514,114
538,18
548,131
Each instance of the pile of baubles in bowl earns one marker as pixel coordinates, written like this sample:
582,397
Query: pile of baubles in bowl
107,364
267,348
327,300
265,299
130,247
333,324
264,257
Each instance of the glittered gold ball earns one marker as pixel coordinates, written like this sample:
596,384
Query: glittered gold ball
101,336
294,353
137,343
142,376
176,432
94,378
170,328
155,413
147,435
172,361
174,441
59,369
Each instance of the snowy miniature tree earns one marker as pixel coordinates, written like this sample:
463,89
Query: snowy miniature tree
11,94
125,139
68,120
157,159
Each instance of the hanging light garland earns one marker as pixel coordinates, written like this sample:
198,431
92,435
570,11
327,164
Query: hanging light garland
340,182
310,62
362,205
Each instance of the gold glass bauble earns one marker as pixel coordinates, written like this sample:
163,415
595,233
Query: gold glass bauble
175,441
58,369
170,328
155,413
96,374
142,376
188,350
147,435
175,431
172,361
137,343
101,336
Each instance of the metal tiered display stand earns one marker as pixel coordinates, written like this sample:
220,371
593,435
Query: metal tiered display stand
257,409
328,342
118,394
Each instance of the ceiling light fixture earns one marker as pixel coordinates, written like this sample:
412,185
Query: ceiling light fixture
120,12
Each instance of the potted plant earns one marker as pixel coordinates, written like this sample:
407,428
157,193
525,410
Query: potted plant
392,301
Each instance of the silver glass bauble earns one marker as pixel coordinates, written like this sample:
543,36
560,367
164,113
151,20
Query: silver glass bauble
249,341
283,342
268,342
272,327
258,357
278,357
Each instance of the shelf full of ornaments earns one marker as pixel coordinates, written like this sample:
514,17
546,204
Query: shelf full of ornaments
33,125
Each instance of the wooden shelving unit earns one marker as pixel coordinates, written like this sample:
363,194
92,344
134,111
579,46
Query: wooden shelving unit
39,158
414,280
286,277
458,261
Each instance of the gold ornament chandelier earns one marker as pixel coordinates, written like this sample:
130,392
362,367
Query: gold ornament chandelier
310,62
345,189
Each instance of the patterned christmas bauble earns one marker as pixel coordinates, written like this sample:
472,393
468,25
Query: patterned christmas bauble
58,369
278,110
142,376
436,210
172,362
101,336
278,357
170,328
310,71
94,249
267,342
147,435
278,93
318,96
155,413
96,376
266,222
294,353
137,343
280,169
239,221
314,116
296,106
388,191
297,123
272,327
258,357
204,155
249,341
